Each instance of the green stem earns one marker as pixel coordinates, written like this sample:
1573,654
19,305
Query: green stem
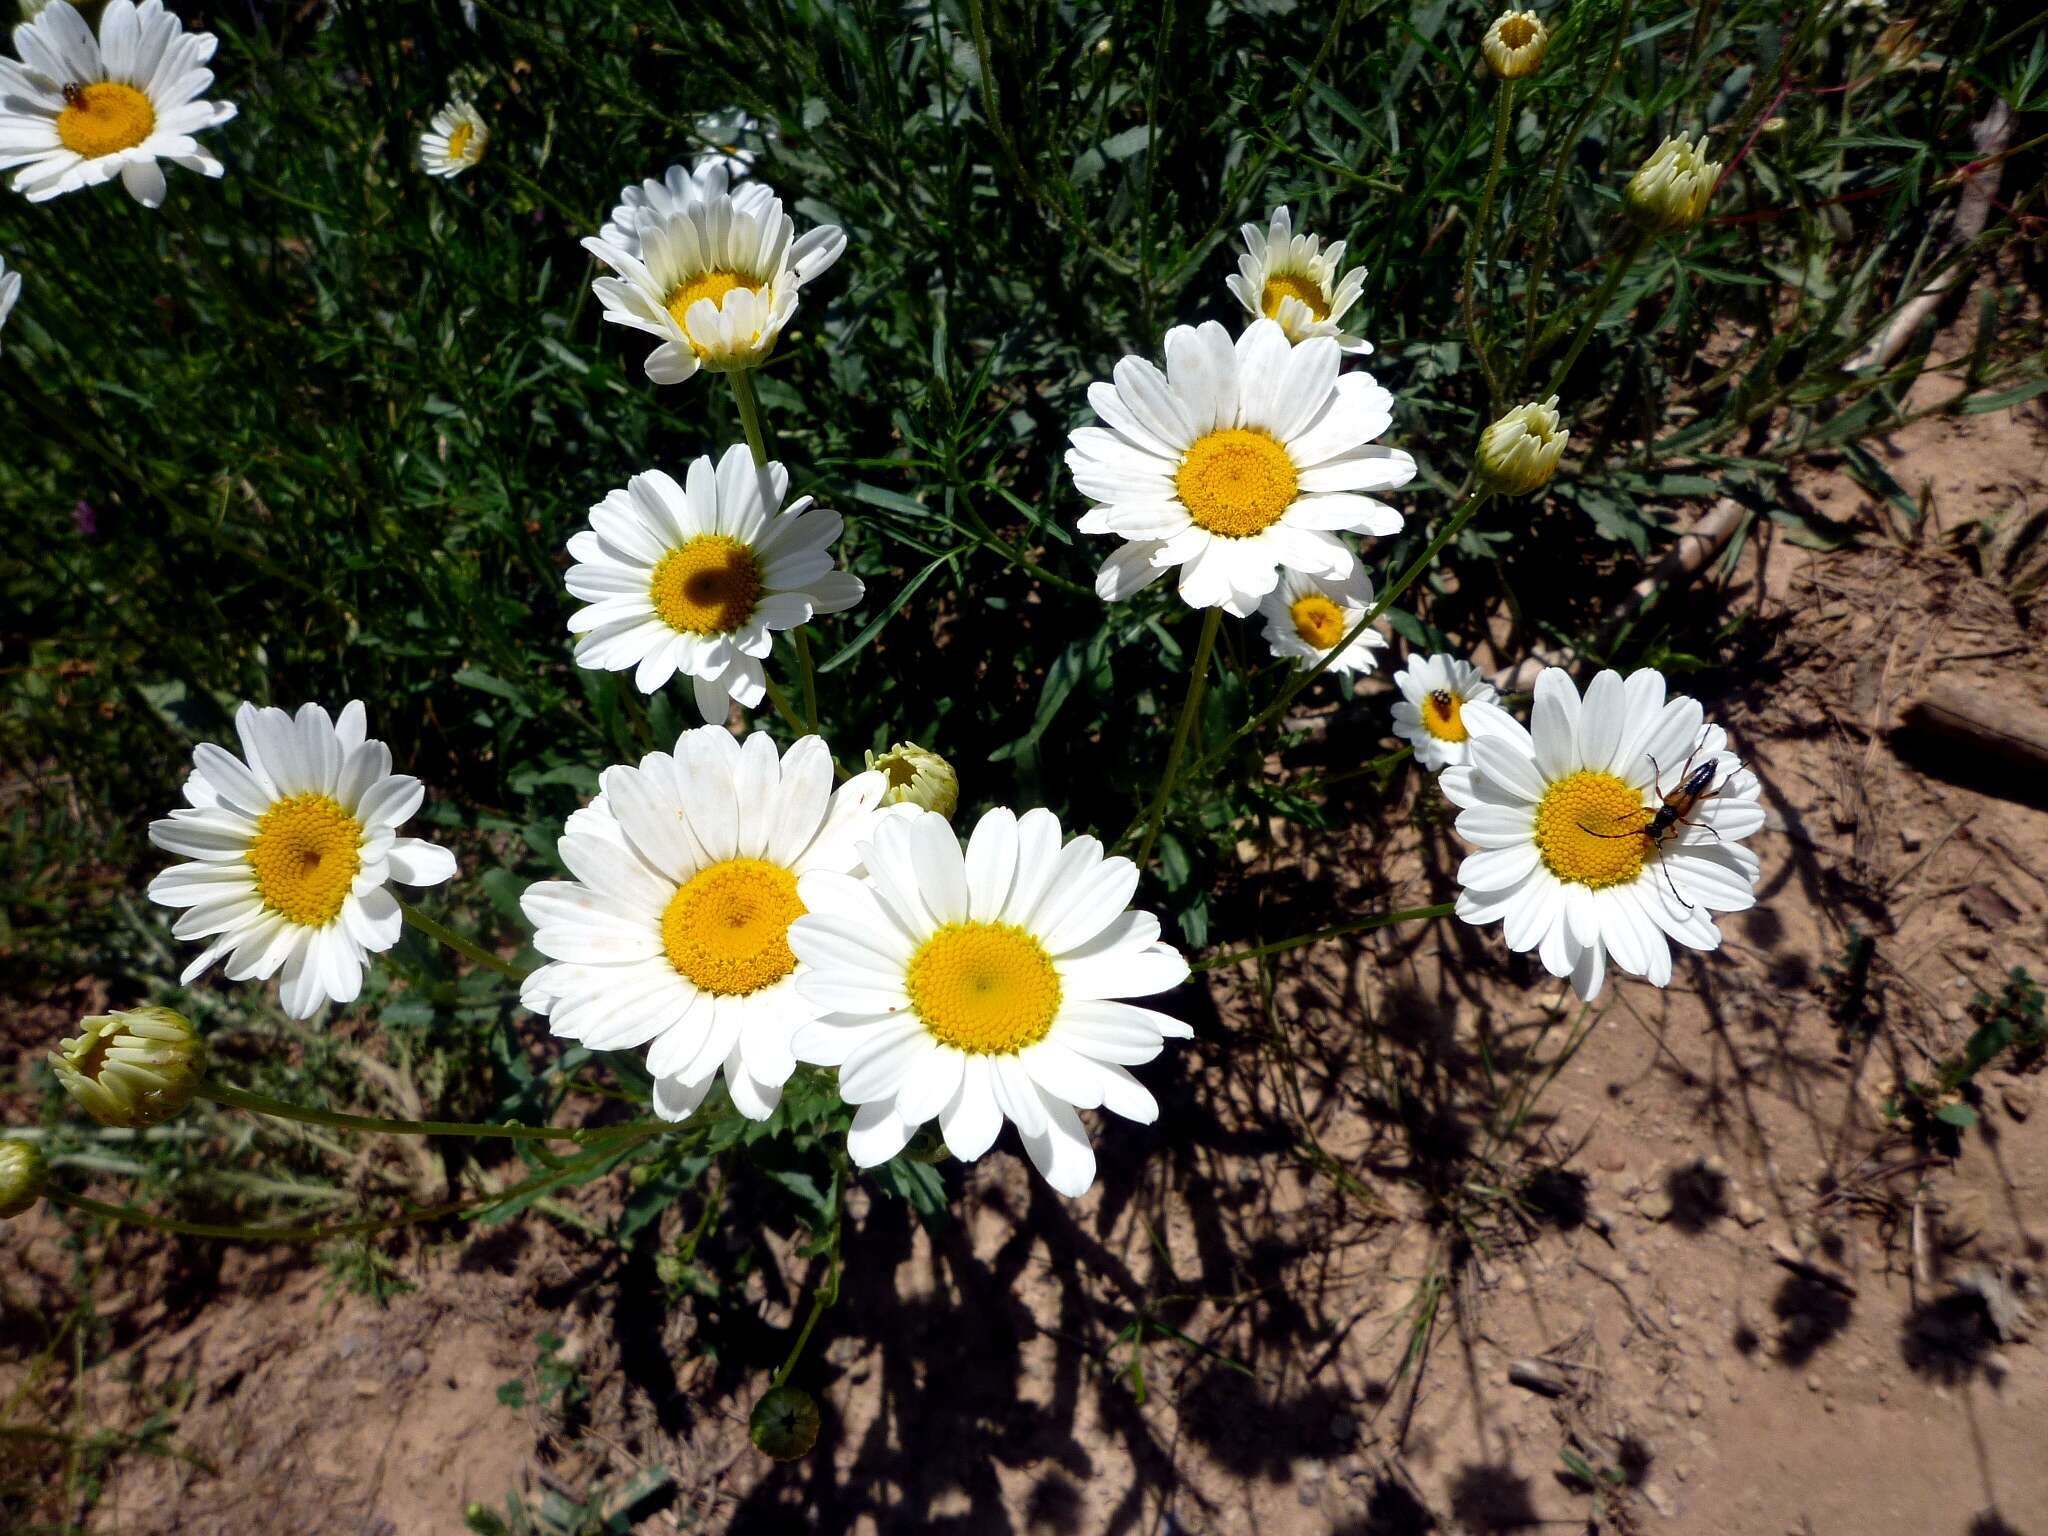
807,676
1198,676
1601,299
1504,103
828,1288
468,948
789,716
742,380
1384,920
264,1104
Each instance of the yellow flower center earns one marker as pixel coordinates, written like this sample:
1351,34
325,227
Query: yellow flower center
1443,715
1586,830
708,587
1291,285
986,988
726,929
713,285
458,141
1318,621
1236,482
104,118
1517,31
306,855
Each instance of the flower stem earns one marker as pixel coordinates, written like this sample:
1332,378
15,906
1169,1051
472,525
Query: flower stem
1475,237
263,1104
1198,677
1624,260
828,1288
1384,920
789,716
443,934
749,404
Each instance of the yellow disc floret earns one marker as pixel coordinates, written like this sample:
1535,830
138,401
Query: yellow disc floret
104,118
1318,621
1292,285
727,929
306,854
713,285
707,587
1443,715
1236,482
458,141
989,989
1588,830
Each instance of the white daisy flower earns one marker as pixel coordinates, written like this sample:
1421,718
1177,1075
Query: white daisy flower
455,139
79,110
10,290
1237,462
1291,279
715,280
984,988
293,845
679,189
1436,692
674,933
730,134
696,578
1562,812
1307,615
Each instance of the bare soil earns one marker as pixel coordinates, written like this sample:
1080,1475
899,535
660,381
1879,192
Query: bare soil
1745,1300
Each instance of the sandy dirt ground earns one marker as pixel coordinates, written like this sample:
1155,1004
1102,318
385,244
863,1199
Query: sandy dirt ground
1359,1278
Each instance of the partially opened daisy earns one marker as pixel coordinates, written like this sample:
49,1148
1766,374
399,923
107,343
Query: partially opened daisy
715,281
293,847
696,578
1436,693
674,933
455,139
79,110
10,290
1562,815
680,188
1292,279
1306,617
1239,461
984,988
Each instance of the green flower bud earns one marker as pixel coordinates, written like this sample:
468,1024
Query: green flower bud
1670,192
22,1176
132,1068
918,777
1519,453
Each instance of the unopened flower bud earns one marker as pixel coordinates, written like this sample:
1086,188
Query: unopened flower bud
132,1068
918,777
1519,453
1514,45
22,1174
1670,192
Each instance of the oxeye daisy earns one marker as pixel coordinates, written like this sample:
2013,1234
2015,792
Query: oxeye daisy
680,188
455,139
10,290
674,933
1437,692
1307,615
292,846
1238,461
1574,860
79,110
696,578
715,280
1292,279
983,988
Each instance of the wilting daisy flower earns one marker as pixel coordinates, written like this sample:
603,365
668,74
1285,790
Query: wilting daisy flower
77,111
1307,615
984,988
455,139
293,845
10,290
696,578
1237,462
680,188
1436,693
674,933
1562,815
1291,279
715,281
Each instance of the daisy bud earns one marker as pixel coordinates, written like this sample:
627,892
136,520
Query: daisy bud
1519,453
1514,45
1670,192
132,1068
22,1174
918,777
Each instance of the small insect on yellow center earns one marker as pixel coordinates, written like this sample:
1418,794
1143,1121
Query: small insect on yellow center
104,118
989,989
1318,621
1291,285
726,929
707,587
1587,828
1236,482
306,853
1443,715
